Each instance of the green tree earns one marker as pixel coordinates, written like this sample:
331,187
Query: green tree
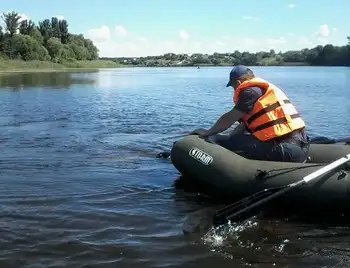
55,28
27,27
66,54
81,52
50,39
54,47
92,49
12,21
63,25
29,49
45,29
2,39
36,34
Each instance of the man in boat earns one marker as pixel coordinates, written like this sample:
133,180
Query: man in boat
276,130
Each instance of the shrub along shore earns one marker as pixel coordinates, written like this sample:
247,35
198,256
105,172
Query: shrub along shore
327,55
45,46
49,46
12,66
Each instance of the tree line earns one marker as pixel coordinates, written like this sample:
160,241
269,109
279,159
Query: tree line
328,55
49,40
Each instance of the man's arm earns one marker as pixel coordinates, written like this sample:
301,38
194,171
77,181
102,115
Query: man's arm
238,129
225,121
243,106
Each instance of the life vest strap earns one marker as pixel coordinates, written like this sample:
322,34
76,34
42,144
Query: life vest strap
274,122
266,110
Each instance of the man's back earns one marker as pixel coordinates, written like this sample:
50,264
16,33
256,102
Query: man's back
247,99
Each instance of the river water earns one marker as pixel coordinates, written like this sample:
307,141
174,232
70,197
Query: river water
80,184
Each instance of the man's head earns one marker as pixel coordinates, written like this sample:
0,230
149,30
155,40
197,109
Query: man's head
238,74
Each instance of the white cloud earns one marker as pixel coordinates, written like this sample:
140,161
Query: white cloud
305,42
291,5
184,35
101,34
251,18
120,30
136,45
168,44
148,48
324,34
26,17
273,42
59,17
323,31
23,17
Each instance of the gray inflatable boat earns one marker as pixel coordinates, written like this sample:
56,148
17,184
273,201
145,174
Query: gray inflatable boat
230,176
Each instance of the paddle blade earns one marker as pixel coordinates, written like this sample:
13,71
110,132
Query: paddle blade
244,208
239,209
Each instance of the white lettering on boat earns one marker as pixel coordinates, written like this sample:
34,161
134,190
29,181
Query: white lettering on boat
201,156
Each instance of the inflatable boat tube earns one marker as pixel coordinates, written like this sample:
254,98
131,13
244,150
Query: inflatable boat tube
231,176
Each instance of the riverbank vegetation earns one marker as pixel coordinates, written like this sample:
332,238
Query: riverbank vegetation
25,45
327,55
49,66
48,45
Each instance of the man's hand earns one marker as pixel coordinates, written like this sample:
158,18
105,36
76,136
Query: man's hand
223,123
202,132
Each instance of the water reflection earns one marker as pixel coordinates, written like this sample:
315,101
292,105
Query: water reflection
56,80
80,183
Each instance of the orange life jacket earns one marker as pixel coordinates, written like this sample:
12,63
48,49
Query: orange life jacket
272,115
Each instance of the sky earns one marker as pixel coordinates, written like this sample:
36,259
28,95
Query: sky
154,27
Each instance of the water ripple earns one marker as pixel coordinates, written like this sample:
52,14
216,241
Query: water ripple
80,185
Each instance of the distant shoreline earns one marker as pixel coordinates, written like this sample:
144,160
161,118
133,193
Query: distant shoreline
221,65
21,66
49,46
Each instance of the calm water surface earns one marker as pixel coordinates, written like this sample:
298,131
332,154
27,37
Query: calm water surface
80,185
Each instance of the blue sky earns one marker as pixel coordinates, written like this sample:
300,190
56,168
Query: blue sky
138,28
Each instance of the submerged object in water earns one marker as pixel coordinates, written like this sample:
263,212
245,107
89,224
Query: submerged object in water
233,177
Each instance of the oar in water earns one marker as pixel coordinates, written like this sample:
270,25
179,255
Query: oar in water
316,140
243,209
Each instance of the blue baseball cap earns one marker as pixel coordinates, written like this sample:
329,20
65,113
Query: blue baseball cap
236,73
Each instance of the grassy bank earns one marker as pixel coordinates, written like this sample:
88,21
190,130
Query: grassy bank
48,66
216,65
12,66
